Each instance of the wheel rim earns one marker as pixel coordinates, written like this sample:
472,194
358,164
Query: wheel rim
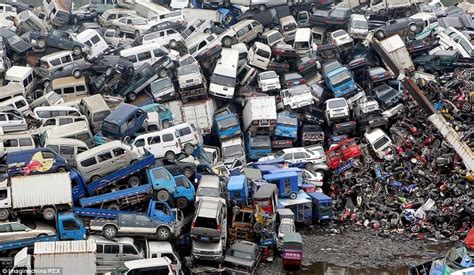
163,73
182,203
3,214
131,96
170,156
189,149
109,232
163,195
163,233
188,172
77,74
77,51
135,183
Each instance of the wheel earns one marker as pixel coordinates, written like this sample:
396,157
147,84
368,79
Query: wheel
173,43
117,30
41,43
76,50
46,82
412,27
76,73
170,156
188,149
188,172
113,206
262,8
227,41
61,170
163,195
163,73
313,9
136,33
131,96
293,196
380,34
166,124
109,231
163,233
4,214
309,166
42,235
108,71
258,227
134,181
95,178
182,203
130,70
49,214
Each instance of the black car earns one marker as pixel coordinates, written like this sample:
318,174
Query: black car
386,95
308,5
187,169
80,16
14,42
108,63
306,64
292,79
378,74
403,27
242,257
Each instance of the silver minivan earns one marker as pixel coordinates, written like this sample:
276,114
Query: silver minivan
68,148
110,254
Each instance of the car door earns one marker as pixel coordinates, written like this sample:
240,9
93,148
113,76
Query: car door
144,225
170,143
121,158
155,146
128,26
107,163
110,255
6,233
129,253
21,231
298,157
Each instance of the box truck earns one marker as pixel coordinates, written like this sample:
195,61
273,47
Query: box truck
201,114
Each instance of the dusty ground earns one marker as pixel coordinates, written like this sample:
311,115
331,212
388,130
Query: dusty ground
357,251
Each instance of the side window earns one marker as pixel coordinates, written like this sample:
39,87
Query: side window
63,121
55,148
66,59
95,39
140,142
129,249
100,249
25,82
81,149
10,143
20,104
158,52
168,137
66,150
118,151
55,62
88,162
154,140
132,58
4,228
70,225
69,90
288,156
298,155
26,142
144,56
3,117
104,156
111,249
47,155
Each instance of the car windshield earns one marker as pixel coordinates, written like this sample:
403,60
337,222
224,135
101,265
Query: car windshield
337,104
289,27
14,39
263,53
338,13
285,228
110,128
138,21
228,123
338,33
383,91
360,25
340,78
233,150
189,69
378,70
208,192
268,75
274,37
242,255
380,142
160,84
288,121
279,154
223,80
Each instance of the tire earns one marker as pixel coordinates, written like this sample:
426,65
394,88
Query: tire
163,233
188,172
117,30
182,203
173,43
227,41
309,166
41,43
113,206
94,178
49,214
170,156
188,149
293,195
61,170
313,9
136,33
130,70
380,34
166,124
134,181
109,231
262,8
163,73
46,82
131,96
76,73
4,214
108,71
163,195
258,227
42,235
412,27
76,50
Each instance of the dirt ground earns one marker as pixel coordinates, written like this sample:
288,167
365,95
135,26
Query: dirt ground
358,251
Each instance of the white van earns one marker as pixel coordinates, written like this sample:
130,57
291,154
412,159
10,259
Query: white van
12,120
68,148
244,31
304,41
70,88
358,26
168,37
57,12
15,143
7,11
259,55
140,55
19,103
189,136
104,159
172,16
54,61
271,38
95,41
95,109
195,27
288,27
49,99
57,121
106,18
23,75
11,90
28,21
223,79
162,144
45,112
76,130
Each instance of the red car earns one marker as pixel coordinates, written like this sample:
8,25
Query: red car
343,151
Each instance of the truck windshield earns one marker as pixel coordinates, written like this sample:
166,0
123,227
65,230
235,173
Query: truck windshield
337,104
160,84
287,121
223,80
381,142
340,78
261,142
233,150
208,192
228,123
190,69
110,128
360,25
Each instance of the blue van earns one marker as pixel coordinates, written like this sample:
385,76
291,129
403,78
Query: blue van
35,161
125,120
227,125
286,126
238,188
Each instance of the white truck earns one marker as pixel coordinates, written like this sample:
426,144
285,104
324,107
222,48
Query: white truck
383,6
201,114
297,96
59,257
203,14
223,79
259,114
147,8
43,194
232,151
396,48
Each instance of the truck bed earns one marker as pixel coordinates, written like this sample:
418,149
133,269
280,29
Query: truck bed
4,246
98,213
142,190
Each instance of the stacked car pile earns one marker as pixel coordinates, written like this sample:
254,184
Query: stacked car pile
219,127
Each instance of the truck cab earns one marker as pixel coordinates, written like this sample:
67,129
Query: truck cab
337,109
258,146
227,125
161,211
338,79
286,126
233,150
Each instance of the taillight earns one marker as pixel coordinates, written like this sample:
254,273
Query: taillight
192,225
218,228
300,68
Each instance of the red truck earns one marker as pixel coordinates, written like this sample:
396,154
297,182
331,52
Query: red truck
343,151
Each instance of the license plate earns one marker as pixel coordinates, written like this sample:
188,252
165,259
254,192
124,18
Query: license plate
205,238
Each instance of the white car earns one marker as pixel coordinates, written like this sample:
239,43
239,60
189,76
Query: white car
136,25
380,142
14,231
287,225
313,160
358,27
12,120
314,178
341,38
268,81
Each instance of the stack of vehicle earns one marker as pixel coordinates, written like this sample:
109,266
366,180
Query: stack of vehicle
210,131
